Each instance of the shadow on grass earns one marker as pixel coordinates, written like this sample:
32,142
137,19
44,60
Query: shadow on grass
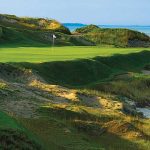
51,131
82,114
83,72
113,142
95,135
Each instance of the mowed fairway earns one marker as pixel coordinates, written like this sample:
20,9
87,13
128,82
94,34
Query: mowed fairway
47,54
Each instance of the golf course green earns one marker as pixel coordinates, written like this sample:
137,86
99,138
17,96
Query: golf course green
48,54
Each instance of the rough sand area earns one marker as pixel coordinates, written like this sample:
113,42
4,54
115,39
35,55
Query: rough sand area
24,99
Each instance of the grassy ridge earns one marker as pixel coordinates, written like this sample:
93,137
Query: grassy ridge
8,122
39,30
26,37
32,23
117,37
135,87
80,128
89,72
83,72
36,31
13,135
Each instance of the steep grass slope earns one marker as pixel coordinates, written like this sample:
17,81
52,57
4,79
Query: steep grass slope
84,72
36,31
125,79
117,37
32,23
40,38
40,30
14,136
68,119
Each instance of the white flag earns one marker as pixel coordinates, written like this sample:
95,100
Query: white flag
54,36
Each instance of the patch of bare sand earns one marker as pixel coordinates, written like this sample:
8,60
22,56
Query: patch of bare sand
25,98
109,104
89,101
22,108
55,90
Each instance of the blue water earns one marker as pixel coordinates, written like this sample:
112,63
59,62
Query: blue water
143,29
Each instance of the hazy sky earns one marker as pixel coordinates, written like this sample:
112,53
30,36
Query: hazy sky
121,12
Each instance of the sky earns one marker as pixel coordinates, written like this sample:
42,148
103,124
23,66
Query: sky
108,12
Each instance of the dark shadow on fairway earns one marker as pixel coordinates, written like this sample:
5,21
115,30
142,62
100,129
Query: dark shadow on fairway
83,72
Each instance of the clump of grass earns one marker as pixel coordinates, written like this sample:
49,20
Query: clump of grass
3,86
14,136
12,139
136,88
92,128
117,37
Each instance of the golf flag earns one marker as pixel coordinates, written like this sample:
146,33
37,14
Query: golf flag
54,36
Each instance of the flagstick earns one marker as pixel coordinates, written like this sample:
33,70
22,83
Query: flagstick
53,43
54,37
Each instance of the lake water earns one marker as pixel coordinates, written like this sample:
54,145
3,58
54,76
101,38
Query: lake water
145,111
144,29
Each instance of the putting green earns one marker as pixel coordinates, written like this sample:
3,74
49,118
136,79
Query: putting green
48,54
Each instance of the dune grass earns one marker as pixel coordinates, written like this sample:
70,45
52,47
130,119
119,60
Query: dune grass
13,135
118,37
44,53
8,122
135,88
80,130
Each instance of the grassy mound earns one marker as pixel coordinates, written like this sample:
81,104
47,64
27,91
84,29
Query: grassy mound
13,136
32,23
26,37
78,119
100,73
136,88
86,128
83,72
117,37
87,29
36,31
12,139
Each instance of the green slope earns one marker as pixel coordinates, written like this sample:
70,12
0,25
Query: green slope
70,124
32,23
117,37
87,71
14,136
36,31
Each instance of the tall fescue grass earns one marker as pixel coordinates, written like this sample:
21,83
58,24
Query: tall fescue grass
117,37
136,89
